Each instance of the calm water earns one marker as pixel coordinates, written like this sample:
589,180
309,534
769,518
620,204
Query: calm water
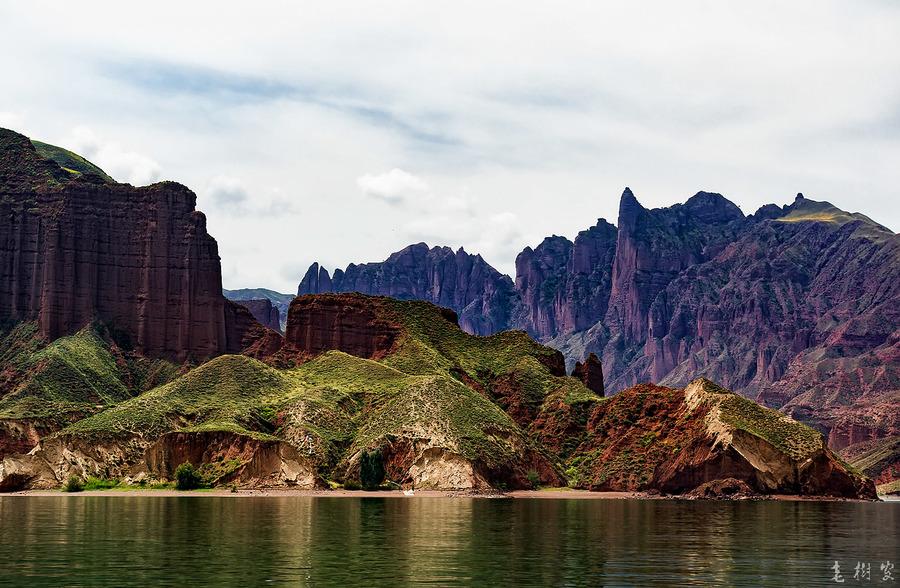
224,541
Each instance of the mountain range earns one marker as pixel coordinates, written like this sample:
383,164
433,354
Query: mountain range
121,358
796,306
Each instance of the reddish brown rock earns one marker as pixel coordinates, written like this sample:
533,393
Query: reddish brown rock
75,248
591,374
343,322
677,441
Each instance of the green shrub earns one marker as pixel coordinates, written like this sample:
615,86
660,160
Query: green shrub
73,484
371,469
572,476
534,479
186,477
95,483
351,485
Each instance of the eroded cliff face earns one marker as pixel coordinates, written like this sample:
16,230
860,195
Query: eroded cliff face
653,247
347,323
481,296
564,286
75,247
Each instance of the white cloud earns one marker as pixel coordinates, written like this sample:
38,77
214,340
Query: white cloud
545,113
121,164
394,187
226,191
13,121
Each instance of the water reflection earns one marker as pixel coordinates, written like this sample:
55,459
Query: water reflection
130,541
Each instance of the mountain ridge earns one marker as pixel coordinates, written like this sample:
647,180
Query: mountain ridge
648,297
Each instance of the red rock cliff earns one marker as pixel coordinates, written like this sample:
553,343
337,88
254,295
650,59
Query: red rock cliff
76,248
482,296
345,322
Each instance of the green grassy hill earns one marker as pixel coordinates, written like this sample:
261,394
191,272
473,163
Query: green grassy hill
71,162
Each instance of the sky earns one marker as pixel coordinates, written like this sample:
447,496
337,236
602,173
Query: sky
340,131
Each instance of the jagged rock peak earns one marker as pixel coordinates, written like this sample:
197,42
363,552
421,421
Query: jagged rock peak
591,374
316,281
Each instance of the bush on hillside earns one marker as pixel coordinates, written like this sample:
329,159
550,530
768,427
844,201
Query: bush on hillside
186,477
73,484
371,469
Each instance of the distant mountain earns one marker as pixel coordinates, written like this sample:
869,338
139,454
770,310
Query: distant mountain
279,301
481,296
797,306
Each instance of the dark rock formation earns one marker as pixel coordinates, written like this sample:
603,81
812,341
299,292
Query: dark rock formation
702,437
264,311
481,295
591,374
654,246
75,248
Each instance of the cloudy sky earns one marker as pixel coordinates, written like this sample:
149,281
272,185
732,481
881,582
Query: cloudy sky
342,131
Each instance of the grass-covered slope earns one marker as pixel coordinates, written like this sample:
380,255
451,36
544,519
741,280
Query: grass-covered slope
70,377
527,380
70,162
440,408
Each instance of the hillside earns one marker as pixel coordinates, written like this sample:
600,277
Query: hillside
795,306
374,378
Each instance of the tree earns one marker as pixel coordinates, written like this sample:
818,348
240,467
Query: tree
186,477
74,484
371,469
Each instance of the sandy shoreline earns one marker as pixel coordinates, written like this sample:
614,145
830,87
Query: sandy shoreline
550,494
276,492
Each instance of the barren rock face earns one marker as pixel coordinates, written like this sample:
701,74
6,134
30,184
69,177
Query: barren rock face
564,286
591,374
75,248
341,322
243,459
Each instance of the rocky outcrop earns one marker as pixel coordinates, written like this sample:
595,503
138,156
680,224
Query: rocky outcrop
222,457
263,311
75,248
480,295
228,458
653,247
878,459
704,437
591,374
345,322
